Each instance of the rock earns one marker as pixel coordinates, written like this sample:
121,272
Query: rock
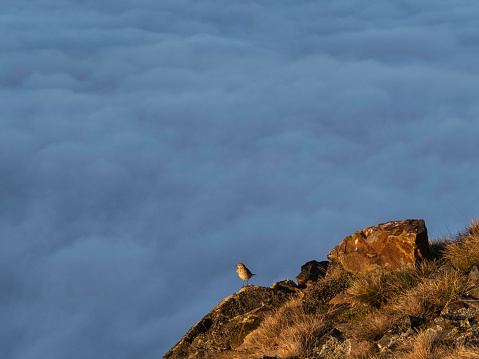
311,272
286,285
335,270
473,281
474,276
391,339
318,295
345,328
387,341
446,268
336,346
339,343
462,312
226,326
408,322
387,246
474,291
343,299
403,328
470,338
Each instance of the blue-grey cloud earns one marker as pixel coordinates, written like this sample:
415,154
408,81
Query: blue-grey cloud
147,147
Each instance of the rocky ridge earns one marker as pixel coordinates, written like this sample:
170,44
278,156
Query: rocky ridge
385,292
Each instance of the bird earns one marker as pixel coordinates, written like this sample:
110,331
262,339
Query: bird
244,273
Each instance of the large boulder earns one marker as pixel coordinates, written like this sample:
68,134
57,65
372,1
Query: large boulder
225,327
387,246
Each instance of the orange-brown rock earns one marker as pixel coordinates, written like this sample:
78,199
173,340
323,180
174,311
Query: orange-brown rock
387,246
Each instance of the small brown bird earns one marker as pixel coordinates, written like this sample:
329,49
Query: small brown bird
244,273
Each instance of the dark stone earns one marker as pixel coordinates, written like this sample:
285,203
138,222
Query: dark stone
285,285
318,295
311,272
406,323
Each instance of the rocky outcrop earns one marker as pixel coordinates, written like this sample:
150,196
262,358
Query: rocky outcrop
387,246
311,272
226,326
330,321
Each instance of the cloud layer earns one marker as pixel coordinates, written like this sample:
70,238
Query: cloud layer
147,147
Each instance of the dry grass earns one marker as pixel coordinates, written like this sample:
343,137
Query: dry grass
463,352
430,296
364,350
391,297
371,290
421,292
428,345
376,289
373,326
291,332
426,268
464,252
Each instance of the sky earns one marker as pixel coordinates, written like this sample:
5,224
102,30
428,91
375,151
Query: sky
147,147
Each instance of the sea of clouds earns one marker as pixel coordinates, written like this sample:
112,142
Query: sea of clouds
146,147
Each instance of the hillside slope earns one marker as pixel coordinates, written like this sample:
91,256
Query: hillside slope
427,306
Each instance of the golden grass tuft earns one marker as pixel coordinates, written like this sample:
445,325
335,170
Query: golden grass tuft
430,296
290,332
371,290
373,326
387,298
464,252
428,345
426,268
463,352
376,289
